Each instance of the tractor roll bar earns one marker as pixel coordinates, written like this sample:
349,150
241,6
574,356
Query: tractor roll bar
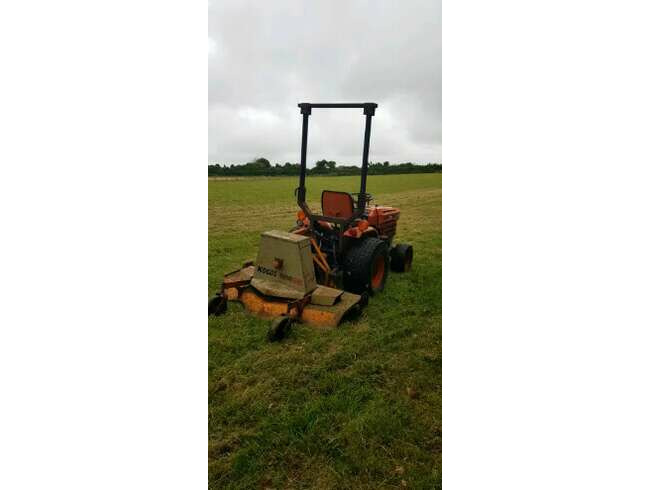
360,105
301,191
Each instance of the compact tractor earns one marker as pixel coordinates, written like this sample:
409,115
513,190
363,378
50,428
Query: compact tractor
324,269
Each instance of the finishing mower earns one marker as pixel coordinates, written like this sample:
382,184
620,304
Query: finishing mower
323,270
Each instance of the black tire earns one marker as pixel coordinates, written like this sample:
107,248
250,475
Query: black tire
217,305
354,313
279,328
401,257
362,262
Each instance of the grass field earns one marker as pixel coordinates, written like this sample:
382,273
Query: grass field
354,407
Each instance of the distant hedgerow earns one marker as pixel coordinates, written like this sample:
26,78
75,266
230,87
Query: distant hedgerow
262,167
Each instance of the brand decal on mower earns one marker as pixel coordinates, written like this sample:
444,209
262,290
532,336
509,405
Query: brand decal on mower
268,272
274,273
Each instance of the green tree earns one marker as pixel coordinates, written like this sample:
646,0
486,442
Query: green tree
262,163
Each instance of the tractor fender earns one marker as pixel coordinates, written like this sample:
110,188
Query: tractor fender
355,232
370,231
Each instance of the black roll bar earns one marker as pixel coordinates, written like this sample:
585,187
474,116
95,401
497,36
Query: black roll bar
301,191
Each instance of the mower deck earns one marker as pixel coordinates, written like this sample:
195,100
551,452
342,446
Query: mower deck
332,307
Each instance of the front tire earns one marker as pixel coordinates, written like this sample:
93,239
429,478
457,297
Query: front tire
366,265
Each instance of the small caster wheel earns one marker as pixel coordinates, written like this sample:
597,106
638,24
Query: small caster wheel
363,302
217,305
279,328
354,313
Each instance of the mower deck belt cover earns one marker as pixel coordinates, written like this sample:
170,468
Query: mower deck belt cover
284,267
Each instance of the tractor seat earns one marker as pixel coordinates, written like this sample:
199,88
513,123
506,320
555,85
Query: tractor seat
337,204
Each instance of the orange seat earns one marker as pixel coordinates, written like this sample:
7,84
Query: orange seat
337,204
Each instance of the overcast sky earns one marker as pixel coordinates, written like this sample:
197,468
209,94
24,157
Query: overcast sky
265,57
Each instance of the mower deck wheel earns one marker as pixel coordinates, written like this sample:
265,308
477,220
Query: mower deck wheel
354,313
401,257
279,328
217,305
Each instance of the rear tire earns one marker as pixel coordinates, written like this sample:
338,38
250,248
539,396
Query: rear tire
401,257
366,266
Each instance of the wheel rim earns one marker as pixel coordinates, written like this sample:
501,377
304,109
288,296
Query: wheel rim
378,270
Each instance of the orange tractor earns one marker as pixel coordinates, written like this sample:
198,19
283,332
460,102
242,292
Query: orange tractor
324,269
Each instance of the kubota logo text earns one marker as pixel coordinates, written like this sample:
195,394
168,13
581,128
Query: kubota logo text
268,272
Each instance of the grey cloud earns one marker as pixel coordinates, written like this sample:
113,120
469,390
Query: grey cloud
265,57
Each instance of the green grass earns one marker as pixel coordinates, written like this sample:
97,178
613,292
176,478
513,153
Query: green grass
327,408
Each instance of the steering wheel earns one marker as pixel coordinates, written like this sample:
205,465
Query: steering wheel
356,199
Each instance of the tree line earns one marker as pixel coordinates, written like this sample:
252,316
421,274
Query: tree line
261,166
